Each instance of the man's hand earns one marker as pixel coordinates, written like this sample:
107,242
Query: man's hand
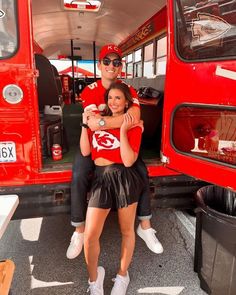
140,124
85,116
93,122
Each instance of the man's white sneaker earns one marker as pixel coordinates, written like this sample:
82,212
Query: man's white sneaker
120,285
149,237
96,288
76,245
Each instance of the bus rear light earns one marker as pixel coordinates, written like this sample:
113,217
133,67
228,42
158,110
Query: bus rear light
12,93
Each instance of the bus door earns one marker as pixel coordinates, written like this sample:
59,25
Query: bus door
19,156
199,130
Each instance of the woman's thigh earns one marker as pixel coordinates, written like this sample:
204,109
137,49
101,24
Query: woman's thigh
126,217
95,220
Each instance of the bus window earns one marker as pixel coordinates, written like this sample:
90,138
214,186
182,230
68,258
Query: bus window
148,70
8,32
138,63
206,29
206,132
161,56
129,66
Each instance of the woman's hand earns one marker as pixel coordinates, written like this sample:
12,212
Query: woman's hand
128,155
128,122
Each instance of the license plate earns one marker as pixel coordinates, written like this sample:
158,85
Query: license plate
7,152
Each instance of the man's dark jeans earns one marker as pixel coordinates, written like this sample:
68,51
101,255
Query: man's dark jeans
82,170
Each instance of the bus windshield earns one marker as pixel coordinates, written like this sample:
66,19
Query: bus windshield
206,29
8,32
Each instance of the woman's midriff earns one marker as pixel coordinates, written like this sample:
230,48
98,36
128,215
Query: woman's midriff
102,162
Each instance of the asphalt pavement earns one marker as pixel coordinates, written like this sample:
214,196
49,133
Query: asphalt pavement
38,246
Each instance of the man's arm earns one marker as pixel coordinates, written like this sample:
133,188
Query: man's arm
113,122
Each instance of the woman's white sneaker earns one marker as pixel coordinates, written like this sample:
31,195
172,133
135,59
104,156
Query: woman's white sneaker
120,285
96,288
149,237
76,245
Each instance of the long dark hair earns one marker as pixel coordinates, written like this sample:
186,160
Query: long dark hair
124,88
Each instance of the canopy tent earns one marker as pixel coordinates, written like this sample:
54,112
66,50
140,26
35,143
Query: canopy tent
78,72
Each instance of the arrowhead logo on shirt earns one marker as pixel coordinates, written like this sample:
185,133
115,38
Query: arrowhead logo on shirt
103,140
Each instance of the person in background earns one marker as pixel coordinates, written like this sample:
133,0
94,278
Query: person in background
114,152
110,65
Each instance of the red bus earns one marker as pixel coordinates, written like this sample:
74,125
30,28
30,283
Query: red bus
183,49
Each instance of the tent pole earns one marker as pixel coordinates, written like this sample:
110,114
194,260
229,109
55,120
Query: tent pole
73,72
94,61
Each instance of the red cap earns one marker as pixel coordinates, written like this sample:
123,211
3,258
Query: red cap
108,49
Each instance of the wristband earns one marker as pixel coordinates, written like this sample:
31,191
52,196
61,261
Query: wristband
84,125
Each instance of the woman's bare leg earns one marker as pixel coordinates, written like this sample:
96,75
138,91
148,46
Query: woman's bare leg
126,220
95,219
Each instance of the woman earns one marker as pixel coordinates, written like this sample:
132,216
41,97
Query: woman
114,186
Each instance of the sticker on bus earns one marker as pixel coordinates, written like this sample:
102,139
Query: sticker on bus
7,152
2,13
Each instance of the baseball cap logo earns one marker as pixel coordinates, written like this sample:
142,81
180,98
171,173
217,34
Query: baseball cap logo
108,49
112,47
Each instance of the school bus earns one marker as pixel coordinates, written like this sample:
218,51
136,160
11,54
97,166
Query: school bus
182,49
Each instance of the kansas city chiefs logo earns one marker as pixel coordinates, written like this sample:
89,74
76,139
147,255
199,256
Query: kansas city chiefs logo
209,27
103,140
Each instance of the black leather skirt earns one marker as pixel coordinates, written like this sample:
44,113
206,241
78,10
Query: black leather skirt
115,186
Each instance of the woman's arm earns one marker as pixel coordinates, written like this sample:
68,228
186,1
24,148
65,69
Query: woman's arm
128,155
84,138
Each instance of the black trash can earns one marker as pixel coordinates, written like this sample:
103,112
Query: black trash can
215,240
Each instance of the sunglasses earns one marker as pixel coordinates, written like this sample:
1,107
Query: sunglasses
116,62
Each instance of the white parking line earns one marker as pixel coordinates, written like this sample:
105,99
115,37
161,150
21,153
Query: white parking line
162,290
186,223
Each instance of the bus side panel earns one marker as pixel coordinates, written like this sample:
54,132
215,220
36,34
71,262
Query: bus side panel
19,121
196,84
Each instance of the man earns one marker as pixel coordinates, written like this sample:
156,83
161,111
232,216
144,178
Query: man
92,96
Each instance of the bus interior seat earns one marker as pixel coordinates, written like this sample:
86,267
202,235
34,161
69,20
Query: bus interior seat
157,82
58,82
151,112
48,93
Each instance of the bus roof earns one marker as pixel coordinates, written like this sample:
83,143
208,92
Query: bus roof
54,26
